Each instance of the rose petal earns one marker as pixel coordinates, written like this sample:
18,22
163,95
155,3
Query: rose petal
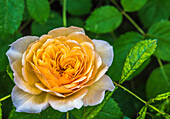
105,50
64,31
19,80
69,103
96,91
80,37
19,47
43,88
22,43
13,55
25,102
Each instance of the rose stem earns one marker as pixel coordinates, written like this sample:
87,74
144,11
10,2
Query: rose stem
64,13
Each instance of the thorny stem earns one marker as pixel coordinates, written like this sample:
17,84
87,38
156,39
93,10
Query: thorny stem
4,98
64,13
146,103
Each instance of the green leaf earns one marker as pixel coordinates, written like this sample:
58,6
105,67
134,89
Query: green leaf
0,111
110,111
91,111
10,16
22,115
157,82
78,7
136,56
78,113
132,5
74,21
154,11
48,113
121,47
142,112
52,22
161,31
129,104
103,20
10,73
38,9
160,97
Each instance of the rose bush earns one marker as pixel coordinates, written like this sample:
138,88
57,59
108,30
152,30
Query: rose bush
64,69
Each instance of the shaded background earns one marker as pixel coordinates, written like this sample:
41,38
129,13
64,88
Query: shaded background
36,17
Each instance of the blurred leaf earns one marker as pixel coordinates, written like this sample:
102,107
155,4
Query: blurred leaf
157,82
22,115
38,9
129,104
121,48
0,111
132,5
160,97
78,113
91,111
48,113
161,31
10,16
142,112
74,21
52,22
10,73
154,11
26,15
103,20
78,7
110,111
136,56
3,49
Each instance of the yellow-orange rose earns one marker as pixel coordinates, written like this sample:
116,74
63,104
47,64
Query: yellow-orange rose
64,69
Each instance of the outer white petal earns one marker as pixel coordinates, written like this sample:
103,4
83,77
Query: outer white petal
105,50
68,103
19,47
62,31
25,102
96,91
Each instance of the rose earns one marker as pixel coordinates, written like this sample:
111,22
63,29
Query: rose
64,69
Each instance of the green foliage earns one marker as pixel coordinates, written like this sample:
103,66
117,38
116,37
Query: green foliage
75,21
131,54
132,5
38,9
160,97
103,20
136,56
161,31
154,11
129,105
91,111
78,7
46,114
10,20
158,82
52,22
110,111
142,112
0,111
121,49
